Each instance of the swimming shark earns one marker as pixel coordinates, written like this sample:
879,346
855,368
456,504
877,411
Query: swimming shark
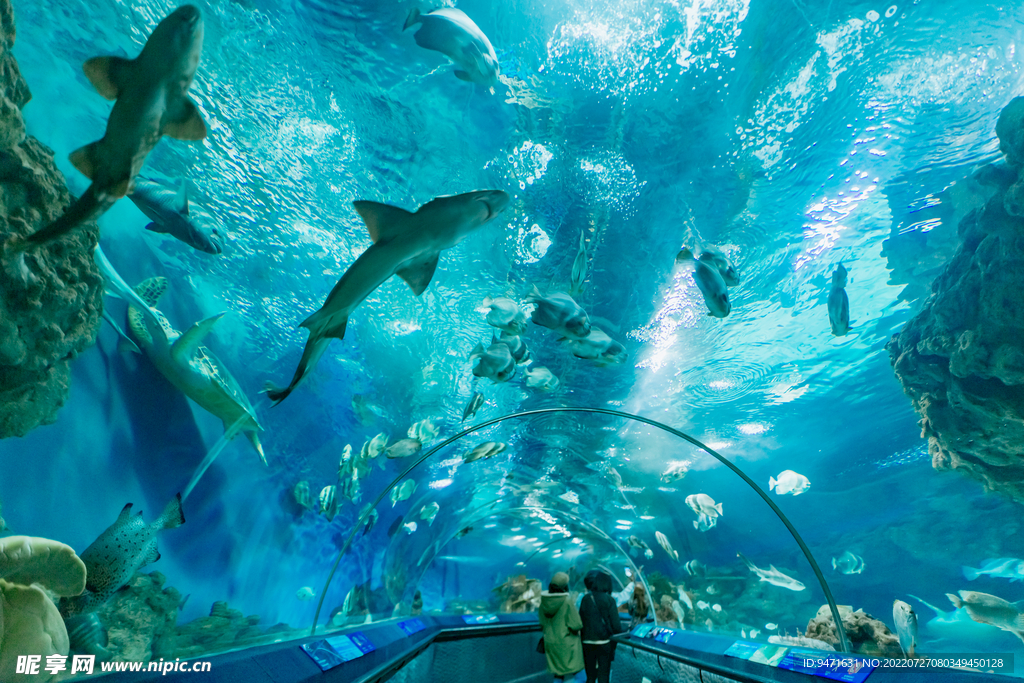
150,102
404,243
169,212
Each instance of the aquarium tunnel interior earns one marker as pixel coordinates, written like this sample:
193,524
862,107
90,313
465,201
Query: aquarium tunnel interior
399,310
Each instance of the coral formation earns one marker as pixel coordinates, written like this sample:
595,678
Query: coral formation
961,359
868,636
29,621
50,303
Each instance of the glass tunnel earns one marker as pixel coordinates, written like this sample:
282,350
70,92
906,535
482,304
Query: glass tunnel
320,319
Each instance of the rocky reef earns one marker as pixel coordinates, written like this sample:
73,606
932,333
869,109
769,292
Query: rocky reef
50,303
868,636
961,358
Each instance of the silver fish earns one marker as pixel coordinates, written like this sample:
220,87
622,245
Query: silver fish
485,450
450,32
676,471
169,211
329,502
695,568
597,346
560,313
517,348
848,563
1010,568
429,512
302,495
715,257
773,576
709,282
476,401
506,315
404,243
662,540
839,303
541,379
402,492
495,362
423,431
990,609
705,522
122,549
906,626
403,448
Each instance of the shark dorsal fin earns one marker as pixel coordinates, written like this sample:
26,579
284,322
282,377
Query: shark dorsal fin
185,346
181,198
108,74
383,221
418,273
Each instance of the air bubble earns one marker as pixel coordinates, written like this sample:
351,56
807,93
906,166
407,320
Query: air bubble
889,12
873,15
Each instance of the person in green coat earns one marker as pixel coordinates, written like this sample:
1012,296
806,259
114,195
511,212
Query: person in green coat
561,622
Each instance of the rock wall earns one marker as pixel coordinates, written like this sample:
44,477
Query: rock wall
50,304
961,359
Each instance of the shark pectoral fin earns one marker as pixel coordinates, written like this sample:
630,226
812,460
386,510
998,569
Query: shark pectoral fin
84,159
418,274
187,125
413,18
156,227
382,220
463,76
254,439
108,74
181,198
185,346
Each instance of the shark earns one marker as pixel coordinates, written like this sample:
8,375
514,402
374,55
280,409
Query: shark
150,101
450,32
169,212
405,243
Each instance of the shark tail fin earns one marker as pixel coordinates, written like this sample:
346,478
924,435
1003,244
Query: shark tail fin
413,18
88,206
254,439
314,349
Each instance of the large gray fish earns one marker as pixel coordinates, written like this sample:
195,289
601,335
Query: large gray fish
450,32
715,257
773,576
505,314
516,346
476,401
168,209
709,282
990,609
906,626
125,547
559,312
151,101
598,346
495,362
404,243
839,303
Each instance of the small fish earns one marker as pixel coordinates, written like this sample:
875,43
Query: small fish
122,549
377,445
839,303
506,315
989,609
771,627
712,589
789,482
495,362
302,495
906,626
423,431
773,576
541,379
714,257
716,608
683,597
709,282
597,346
476,401
702,503
329,502
754,633
402,492
663,542
695,568
1004,567
429,512
848,563
462,532
678,610
709,624
676,471
371,521
579,267
305,593
701,605
517,348
559,312
705,522
485,450
403,448
169,211
410,527
449,31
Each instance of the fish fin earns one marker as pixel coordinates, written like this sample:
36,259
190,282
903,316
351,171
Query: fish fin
833,564
684,255
413,18
970,574
534,294
108,74
955,599
126,512
150,556
172,516
181,198
311,353
187,125
745,561
418,273
84,159
383,221
185,346
156,227
254,439
772,483
478,350
719,508
463,76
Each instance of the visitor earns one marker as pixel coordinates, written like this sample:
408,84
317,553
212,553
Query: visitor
639,606
600,618
561,623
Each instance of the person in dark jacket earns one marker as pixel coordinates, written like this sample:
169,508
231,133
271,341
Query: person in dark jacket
600,617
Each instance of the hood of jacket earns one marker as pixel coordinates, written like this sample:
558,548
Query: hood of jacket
550,603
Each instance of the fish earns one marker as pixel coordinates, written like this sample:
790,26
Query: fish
958,626
423,431
712,589
773,576
305,593
709,282
410,527
701,605
714,257
429,512
839,303
989,609
848,563
488,449
716,608
150,101
695,568
579,267
302,495
462,532
705,522
559,312
771,626
505,314
517,348
906,626
329,502
366,410
789,482
377,445
476,401
402,492
1004,567
663,542
169,212
709,624
676,471
678,610
597,346
754,633
495,362
126,546
404,243
638,543
449,31
403,448
371,521
541,379
683,597
702,503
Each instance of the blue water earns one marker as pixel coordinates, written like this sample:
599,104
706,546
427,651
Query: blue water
793,134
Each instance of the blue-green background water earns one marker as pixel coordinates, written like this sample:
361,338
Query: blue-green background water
794,134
